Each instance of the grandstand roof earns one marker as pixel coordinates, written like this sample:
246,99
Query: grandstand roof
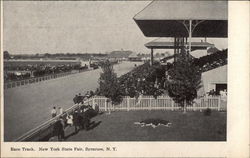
164,18
157,44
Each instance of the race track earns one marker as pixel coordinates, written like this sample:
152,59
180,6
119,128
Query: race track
28,106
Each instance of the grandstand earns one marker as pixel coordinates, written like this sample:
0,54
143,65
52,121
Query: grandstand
212,61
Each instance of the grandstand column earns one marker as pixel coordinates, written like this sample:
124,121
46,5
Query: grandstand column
190,35
174,49
152,56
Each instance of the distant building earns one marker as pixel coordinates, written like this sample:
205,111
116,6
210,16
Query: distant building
134,57
119,55
215,79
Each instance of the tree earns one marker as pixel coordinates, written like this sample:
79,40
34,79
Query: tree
109,84
184,80
6,55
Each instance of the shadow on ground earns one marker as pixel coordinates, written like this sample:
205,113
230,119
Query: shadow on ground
91,127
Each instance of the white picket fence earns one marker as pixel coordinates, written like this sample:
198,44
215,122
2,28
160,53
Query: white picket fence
161,103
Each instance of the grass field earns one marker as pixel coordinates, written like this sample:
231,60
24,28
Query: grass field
28,106
119,126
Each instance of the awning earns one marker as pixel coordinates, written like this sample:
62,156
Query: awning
157,44
167,18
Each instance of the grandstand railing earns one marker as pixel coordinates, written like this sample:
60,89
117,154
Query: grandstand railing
46,129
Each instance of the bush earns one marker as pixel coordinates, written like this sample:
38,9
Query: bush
207,112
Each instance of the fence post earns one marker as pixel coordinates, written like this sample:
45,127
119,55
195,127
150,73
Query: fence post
172,103
128,104
194,106
219,102
207,102
93,102
150,105
105,108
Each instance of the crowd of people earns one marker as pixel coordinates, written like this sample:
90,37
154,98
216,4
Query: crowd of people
222,93
80,119
79,98
11,76
38,70
212,61
144,79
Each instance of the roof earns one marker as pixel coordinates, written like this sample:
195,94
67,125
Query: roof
198,53
184,10
164,18
119,54
156,44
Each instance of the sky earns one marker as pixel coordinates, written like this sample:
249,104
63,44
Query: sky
31,27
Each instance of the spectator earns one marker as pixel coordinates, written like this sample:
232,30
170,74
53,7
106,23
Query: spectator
53,112
80,98
212,93
75,99
91,93
85,120
76,122
87,94
69,120
59,129
60,110
97,108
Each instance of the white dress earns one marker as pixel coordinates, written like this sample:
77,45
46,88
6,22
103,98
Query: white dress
70,119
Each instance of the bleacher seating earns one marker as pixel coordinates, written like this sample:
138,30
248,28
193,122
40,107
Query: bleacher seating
212,61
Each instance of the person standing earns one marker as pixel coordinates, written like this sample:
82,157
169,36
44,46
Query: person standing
60,110
69,120
75,99
59,129
76,121
53,112
80,98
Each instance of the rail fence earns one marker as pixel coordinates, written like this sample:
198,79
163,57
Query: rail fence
13,84
142,103
45,130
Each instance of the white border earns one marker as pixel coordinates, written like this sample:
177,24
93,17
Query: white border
237,144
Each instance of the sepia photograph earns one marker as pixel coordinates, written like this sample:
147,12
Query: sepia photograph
82,71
